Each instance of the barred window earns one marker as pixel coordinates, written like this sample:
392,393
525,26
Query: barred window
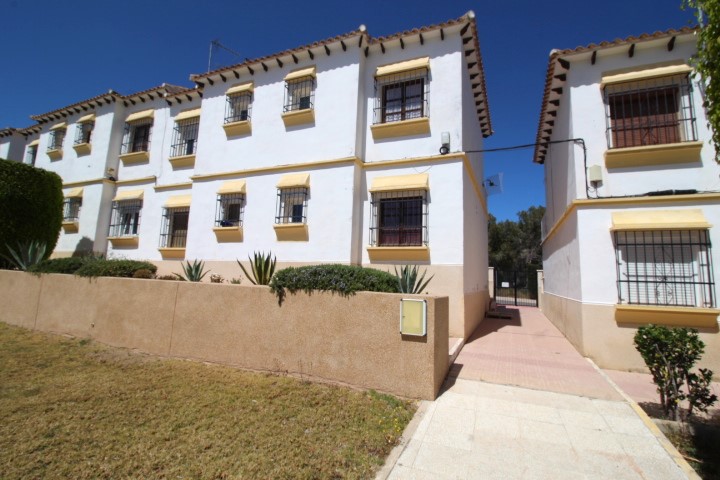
174,227
399,218
71,209
56,139
299,94
185,136
136,137
83,132
31,155
125,218
229,210
402,96
238,107
650,112
292,205
665,267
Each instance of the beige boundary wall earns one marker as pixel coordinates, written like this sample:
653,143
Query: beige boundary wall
351,340
593,330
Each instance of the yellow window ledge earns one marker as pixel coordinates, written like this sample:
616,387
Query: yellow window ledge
298,117
403,128
82,148
235,129
70,227
134,157
126,242
292,232
182,161
228,234
401,254
668,154
172,252
671,316
55,153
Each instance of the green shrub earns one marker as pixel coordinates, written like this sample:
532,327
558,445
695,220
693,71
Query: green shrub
26,255
670,354
344,279
143,273
31,200
262,266
193,272
408,281
114,268
60,265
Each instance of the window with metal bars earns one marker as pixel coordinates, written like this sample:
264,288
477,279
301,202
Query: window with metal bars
56,139
665,267
83,132
125,219
402,96
136,137
299,94
650,112
174,227
229,210
71,209
238,107
185,136
292,205
31,155
399,218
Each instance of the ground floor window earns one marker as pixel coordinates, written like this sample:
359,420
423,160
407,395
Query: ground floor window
292,205
229,210
174,227
665,267
125,218
71,209
399,218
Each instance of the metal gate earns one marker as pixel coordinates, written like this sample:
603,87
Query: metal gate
513,287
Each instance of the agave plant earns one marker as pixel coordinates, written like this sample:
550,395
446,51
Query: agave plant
263,268
194,272
27,254
408,281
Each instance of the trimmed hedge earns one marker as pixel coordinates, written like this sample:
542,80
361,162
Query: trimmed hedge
114,268
344,279
32,202
60,265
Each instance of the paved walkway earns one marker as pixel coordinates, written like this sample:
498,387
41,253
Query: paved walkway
521,403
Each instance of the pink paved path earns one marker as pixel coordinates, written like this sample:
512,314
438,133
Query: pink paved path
528,351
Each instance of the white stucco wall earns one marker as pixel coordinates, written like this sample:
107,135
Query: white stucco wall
12,147
561,262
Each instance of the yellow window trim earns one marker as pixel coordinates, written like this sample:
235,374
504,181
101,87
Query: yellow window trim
418,181
129,195
686,219
650,71
58,126
75,193
298,117
228,234
135,157
140,115
232,186
403,128
176,201
303,72
419,253
55,153
174,252
34,143
186,114
172,186
294,180
182,161
70,227
87,118
127,242
667,315
235,129
406,66
240,88
666,154
291,232
82,148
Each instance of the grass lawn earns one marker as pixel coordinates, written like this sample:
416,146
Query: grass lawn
76,409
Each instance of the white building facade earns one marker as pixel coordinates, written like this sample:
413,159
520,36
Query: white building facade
633,204
327,153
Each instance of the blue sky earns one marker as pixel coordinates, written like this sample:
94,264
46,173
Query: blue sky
56,53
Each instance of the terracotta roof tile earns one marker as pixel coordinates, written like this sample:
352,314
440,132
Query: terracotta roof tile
64,111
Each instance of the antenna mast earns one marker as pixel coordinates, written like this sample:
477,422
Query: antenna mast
215,44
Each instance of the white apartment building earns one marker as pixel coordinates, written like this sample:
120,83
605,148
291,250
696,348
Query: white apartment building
633,196
326,153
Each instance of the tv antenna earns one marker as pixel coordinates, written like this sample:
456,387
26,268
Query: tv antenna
214,45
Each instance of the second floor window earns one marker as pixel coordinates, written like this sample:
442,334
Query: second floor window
71,209
299,94
238,107
185,137
83,132
31,155
56,139
137,135
174,227
125,218
401,96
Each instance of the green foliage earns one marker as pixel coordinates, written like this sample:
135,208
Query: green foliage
194,272
706,61
344,279
670,354
31,200
27,255
408,281
113,268
263,268
516,245
143,273
236,281
60,265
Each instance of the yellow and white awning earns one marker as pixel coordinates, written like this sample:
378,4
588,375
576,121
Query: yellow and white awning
688,219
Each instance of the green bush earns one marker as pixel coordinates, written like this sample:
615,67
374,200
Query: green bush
31,200
60,265
114,268
143,273
344,279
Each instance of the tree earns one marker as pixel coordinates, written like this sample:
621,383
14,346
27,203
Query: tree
516,245
706,61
